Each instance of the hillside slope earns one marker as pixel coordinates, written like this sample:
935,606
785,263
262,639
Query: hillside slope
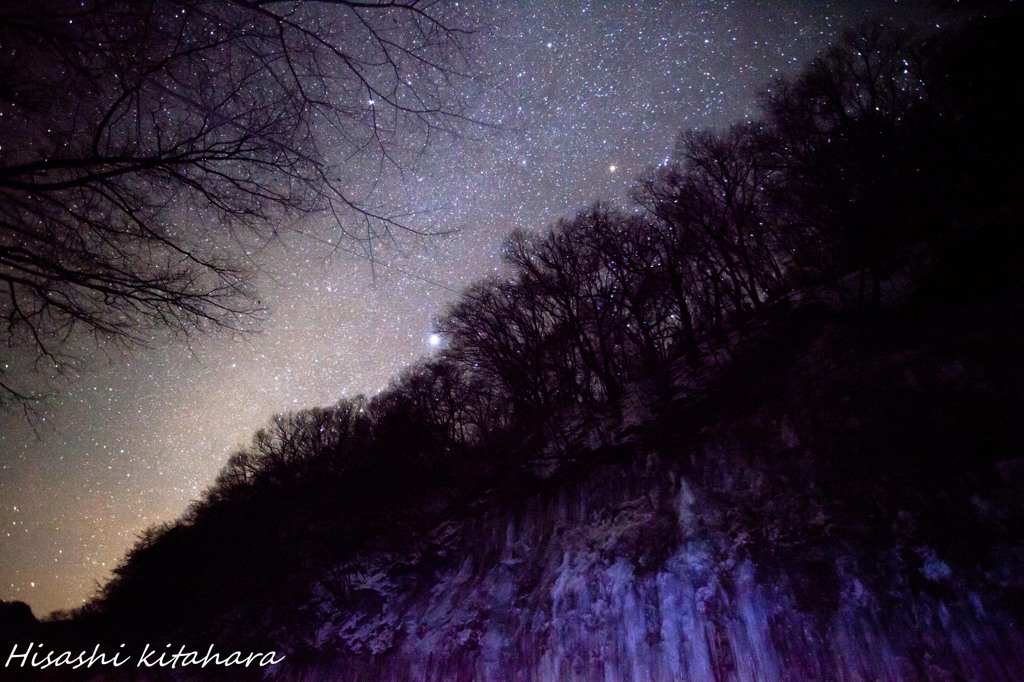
768,426
843,501
865,523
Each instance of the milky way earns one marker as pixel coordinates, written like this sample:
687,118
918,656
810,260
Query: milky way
589,95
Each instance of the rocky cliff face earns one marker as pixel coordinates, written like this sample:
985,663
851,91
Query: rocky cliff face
718,557
638,574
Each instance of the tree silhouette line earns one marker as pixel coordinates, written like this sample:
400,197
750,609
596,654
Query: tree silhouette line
887,143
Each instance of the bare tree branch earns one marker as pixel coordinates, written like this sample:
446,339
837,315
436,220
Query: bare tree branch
141,141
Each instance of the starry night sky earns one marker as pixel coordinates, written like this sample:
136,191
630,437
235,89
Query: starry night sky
596,93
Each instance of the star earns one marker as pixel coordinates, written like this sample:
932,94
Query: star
626,80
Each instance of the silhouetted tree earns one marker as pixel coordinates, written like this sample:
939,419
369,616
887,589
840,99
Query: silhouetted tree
627,248
310,445
499,329
143,141
719,242
846,173
452,399
584,353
